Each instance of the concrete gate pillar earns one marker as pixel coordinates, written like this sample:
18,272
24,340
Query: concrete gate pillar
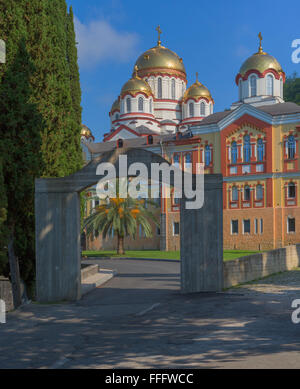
201,240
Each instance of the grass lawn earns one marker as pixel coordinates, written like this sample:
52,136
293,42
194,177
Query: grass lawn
228,254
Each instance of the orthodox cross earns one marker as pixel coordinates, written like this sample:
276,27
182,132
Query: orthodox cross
158,32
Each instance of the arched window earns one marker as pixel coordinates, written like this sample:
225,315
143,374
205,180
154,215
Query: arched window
246,193
150,105
207,155
252,86
202,109
291,147
260,150
159,88
259,192
191,109
291,190
240,90
128,104
173,89
117,116
246,148
270,85
176,160
141,104
188,162
233,152
234,194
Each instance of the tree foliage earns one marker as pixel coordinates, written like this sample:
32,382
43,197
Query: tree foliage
40,115
121,216
291,91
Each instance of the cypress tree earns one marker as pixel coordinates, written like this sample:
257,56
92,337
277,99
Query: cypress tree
40,116
72,59
21,124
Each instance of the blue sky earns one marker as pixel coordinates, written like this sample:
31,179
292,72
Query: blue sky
213,38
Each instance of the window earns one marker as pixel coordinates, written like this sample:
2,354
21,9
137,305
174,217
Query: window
141,232
176,160
202,109
246,226
291,143
117,116
128,104
141,104
270,85
159,88
207,155
191,109
260,150
247,193
188,161
259,192
176,201
157,231
252,86
256,226
291,224
246,148
261,226
150,105
291,190
234,226
240,90
233,152
234,194
175,228
173,89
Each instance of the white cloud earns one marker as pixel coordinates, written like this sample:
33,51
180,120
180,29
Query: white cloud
98,41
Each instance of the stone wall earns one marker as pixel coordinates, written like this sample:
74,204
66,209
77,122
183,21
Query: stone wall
260,265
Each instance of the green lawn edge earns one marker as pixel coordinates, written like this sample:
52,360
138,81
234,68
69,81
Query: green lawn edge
156,254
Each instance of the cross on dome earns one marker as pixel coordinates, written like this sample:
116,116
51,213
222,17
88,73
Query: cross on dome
158,32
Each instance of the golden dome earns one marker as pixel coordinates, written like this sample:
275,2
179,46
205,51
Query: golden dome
136,85
196,91
159,57
115,106
260,61
85,131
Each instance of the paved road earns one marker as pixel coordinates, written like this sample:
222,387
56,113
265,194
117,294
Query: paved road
140,319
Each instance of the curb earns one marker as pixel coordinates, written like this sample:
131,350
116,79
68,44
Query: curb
96,280
130,258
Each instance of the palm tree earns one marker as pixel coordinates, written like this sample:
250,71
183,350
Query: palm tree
121,216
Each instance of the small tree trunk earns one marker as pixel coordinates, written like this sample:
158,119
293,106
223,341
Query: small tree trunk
14,273
120,245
